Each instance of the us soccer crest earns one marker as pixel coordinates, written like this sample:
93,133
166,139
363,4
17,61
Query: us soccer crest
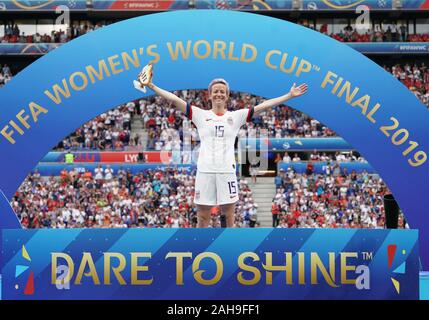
230,121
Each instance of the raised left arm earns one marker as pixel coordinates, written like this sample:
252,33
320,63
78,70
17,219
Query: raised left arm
293,93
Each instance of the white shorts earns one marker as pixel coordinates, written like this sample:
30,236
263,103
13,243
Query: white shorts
213,189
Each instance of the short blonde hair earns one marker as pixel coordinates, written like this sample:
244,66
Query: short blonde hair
218,80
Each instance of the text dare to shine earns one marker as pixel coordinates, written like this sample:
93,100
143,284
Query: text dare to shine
299,269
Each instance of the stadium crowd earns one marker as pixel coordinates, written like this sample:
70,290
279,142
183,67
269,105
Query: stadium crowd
378,35
109,131
387,32
12,34
108,199
336,199
415,77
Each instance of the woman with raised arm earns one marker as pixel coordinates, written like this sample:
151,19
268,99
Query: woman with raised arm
216,180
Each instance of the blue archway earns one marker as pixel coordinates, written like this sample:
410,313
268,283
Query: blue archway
255,54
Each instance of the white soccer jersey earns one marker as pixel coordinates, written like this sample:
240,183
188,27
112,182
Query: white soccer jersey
217,136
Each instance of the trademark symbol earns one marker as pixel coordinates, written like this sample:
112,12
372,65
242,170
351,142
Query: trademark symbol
367,255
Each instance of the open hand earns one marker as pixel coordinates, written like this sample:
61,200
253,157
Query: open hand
298,91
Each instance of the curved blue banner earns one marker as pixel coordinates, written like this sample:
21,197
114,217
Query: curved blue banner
361,102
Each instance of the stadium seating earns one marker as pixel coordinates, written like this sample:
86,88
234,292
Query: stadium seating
332,200
106,199
14,35
108,131
389,33
415,77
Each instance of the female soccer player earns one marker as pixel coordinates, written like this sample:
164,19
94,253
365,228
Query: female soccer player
216,180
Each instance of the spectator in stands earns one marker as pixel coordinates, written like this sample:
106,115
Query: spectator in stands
275,213
6,71
278,158
278,180
286,158
254,169
314,156
15,31
310,168
253,215
69,158
37,38
296,158
63,37
395,33
108,173
8,29
403,32
99,173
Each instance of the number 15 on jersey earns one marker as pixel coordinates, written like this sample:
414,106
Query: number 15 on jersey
219,131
